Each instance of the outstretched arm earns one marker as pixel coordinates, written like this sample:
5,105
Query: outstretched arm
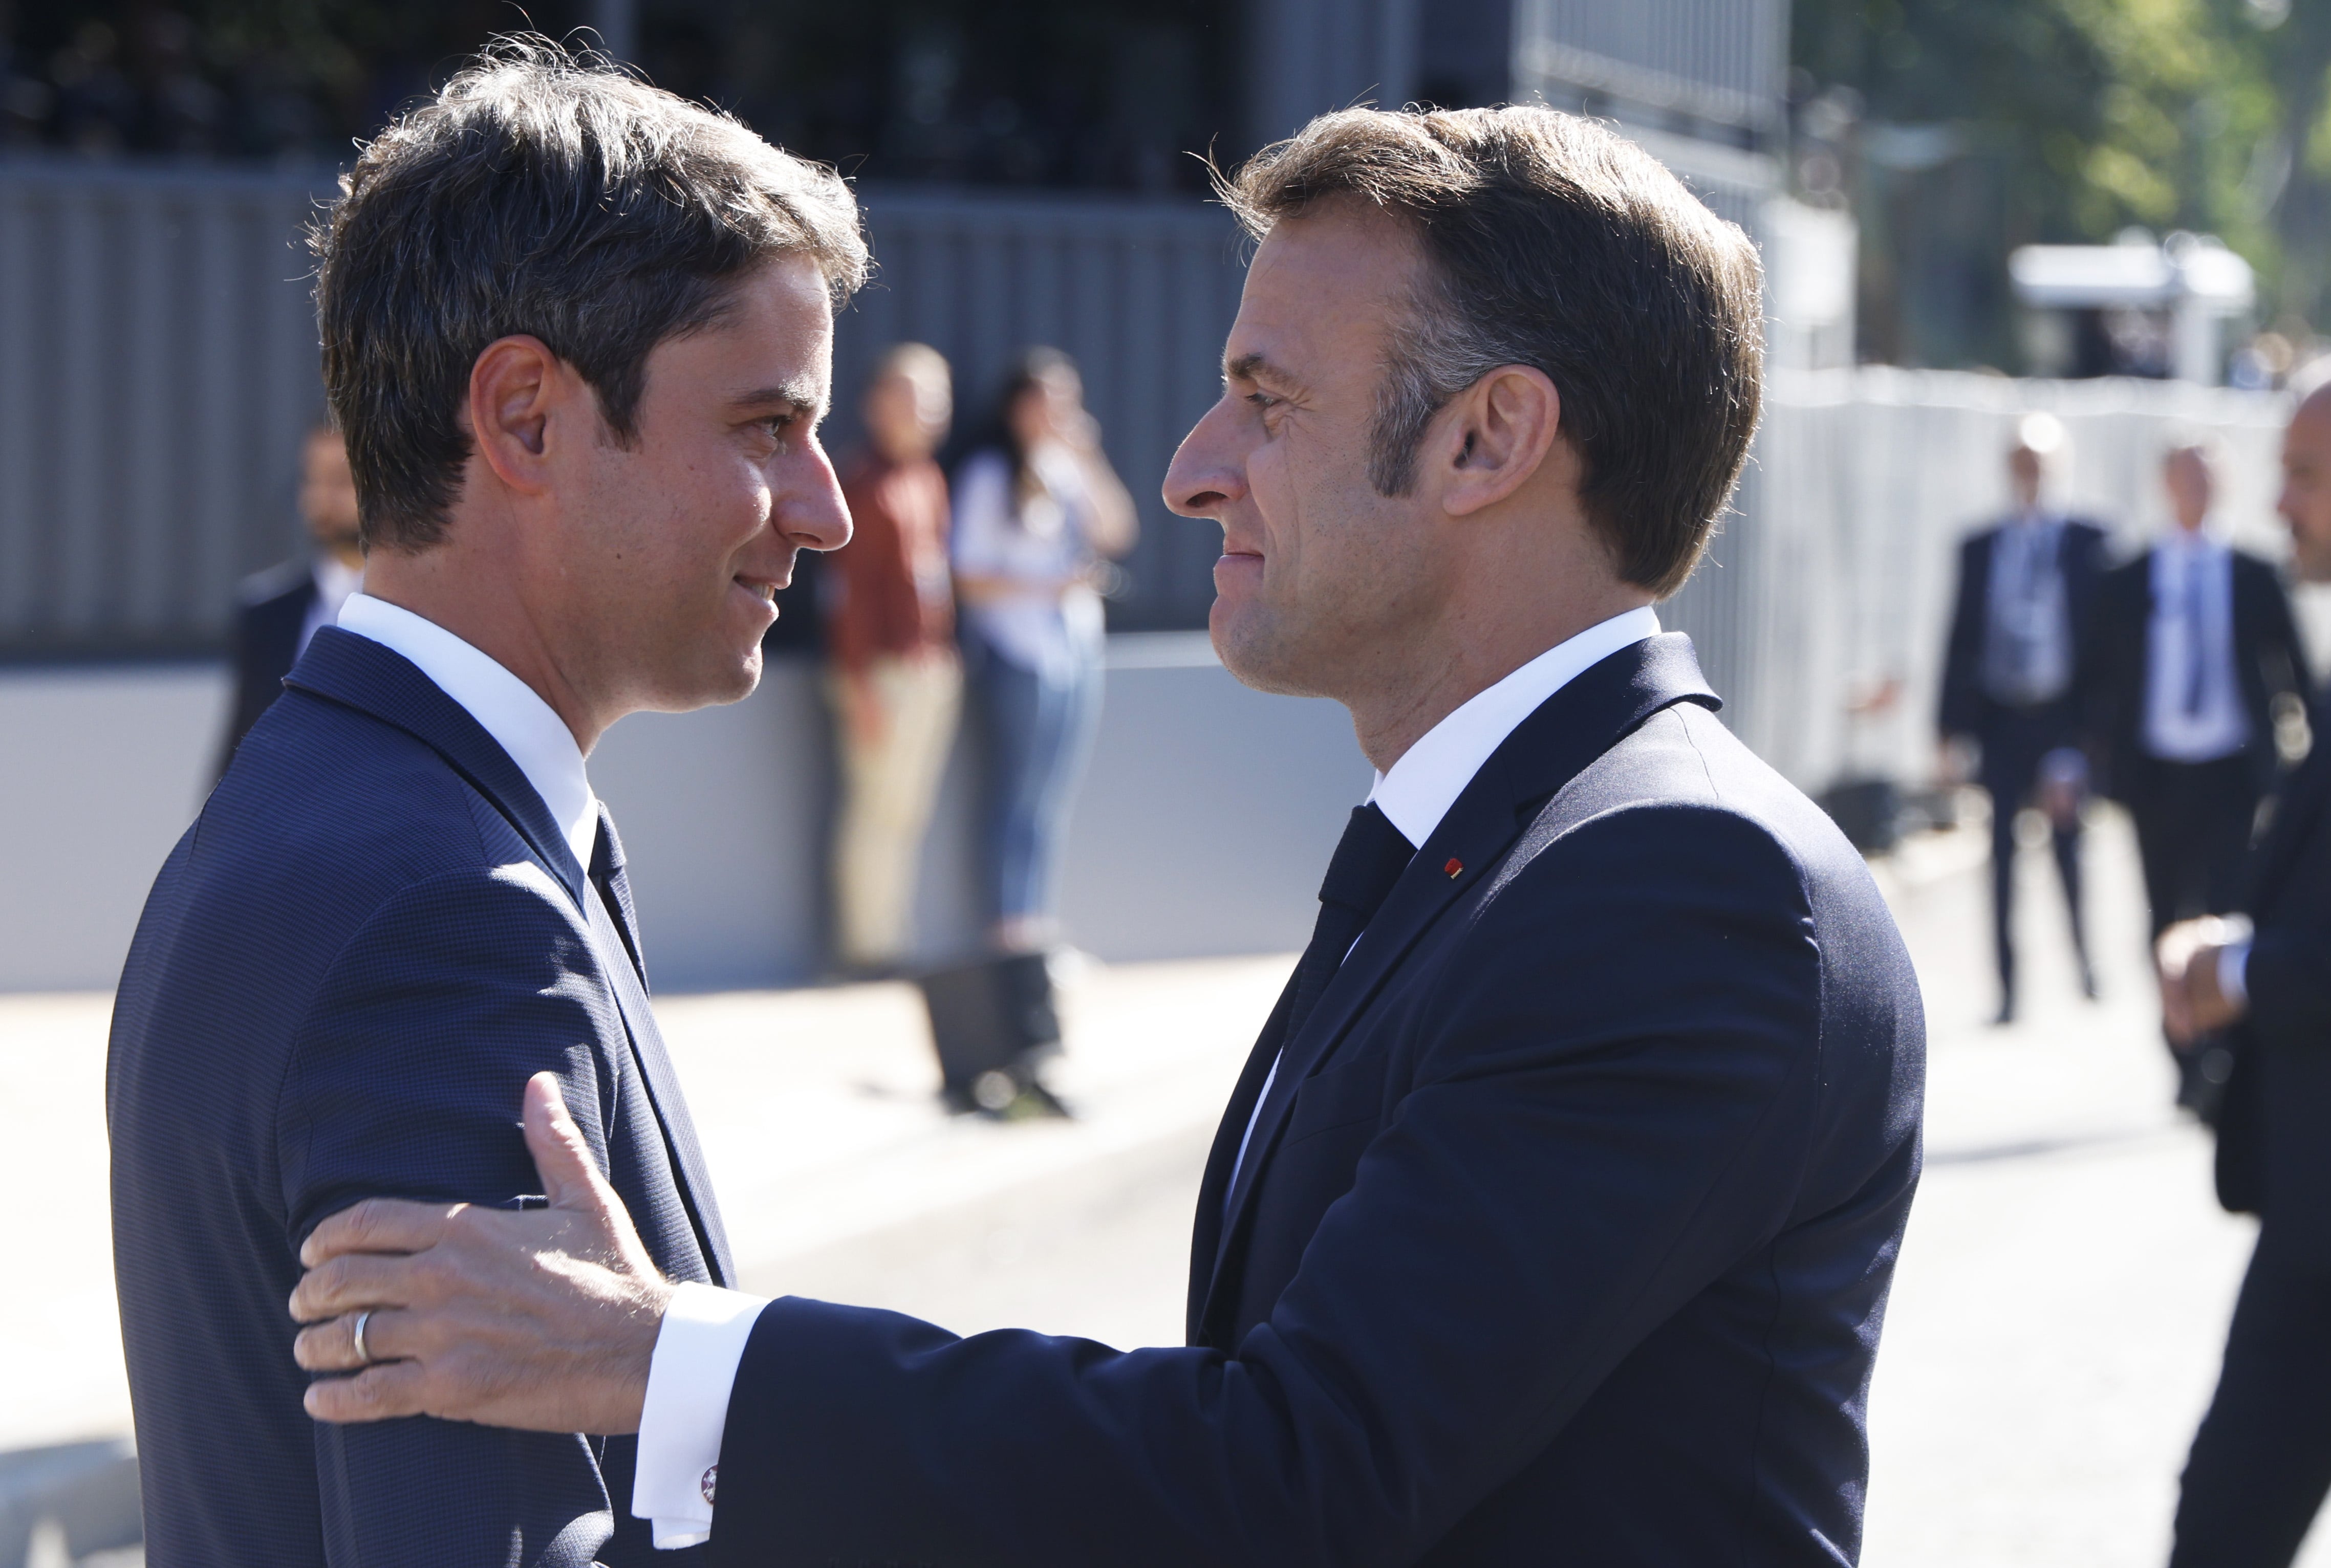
1430,1345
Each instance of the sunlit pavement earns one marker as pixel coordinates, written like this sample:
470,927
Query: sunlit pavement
2056,1321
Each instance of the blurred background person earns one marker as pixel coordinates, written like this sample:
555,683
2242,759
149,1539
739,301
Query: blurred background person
281,607
893,677
1039,514
2192,643
2026,587
2262,1461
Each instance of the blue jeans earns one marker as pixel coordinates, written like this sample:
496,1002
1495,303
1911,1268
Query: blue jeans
1038,733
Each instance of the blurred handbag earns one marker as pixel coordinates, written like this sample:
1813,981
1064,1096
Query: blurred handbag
994,1025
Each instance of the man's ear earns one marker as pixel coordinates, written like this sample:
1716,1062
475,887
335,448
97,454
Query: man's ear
521,395
1495,435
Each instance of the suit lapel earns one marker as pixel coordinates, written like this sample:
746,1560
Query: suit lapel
1213,1190
1545,751
357,672
360,673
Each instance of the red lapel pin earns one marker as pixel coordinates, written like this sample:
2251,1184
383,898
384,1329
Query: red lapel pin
1454,867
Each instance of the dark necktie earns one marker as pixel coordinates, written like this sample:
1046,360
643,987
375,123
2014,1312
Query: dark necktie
607,876
1367,862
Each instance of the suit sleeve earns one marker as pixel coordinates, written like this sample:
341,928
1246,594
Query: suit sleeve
2289,978
1611,1110
405,1082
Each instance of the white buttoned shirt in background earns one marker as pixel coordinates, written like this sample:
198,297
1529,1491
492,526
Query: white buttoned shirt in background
2192,621
506,708
703,1336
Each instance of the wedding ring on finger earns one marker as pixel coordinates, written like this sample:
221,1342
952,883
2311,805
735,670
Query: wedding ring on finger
364,1356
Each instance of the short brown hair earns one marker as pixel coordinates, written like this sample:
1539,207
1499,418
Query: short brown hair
1551,241
546,193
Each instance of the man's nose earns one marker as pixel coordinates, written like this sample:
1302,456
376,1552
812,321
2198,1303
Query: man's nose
811,512
1208,472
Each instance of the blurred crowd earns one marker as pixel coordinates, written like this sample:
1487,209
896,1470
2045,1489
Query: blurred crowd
2177,681
2187,683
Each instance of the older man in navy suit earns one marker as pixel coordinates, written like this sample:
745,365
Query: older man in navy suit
1553,1216
578,334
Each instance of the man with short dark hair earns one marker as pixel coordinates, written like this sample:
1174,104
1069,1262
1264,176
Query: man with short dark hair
578,334
1553,1215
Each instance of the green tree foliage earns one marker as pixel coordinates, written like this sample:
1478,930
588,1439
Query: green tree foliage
2079,118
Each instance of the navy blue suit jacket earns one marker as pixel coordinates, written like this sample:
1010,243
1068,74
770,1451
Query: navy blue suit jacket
346,971
1967,709
1572,1222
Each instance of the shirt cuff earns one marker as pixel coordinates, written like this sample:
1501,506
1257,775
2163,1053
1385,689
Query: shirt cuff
697,1350
2234,974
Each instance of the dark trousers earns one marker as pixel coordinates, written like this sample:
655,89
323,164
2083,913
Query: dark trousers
2012,747
2192,831
2262,1458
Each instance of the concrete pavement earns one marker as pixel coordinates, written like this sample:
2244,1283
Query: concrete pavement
2056,1321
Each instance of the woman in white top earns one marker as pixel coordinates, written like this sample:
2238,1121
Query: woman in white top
1038,512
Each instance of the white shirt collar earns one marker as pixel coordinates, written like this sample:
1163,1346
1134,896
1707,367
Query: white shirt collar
1430,774
505,707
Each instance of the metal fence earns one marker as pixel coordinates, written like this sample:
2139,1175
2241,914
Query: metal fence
158,368
1141,293
1865,482
1718,61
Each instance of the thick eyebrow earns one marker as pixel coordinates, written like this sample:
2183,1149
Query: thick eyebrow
800,397
1255,367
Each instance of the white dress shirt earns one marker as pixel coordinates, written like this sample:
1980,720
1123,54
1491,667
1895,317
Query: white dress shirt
703,1335
505,707
1038,540
2193,581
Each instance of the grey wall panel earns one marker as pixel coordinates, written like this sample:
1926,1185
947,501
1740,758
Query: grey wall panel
157,368
1716,59
1202,828
100,770
1309,56
1142,295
